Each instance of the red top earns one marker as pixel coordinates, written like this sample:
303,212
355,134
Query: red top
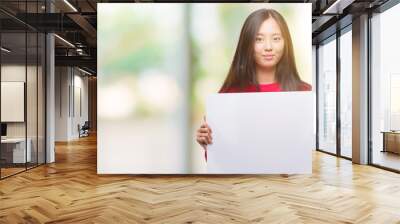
272,87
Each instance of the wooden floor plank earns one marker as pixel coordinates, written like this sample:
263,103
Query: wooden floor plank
70,191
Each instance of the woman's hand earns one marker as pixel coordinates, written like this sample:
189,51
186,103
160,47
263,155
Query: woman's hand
204,135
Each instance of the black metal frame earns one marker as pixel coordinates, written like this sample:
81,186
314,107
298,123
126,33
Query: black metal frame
387,5
339,32
316,97
44,78
338,98
0,92
369,90
327,39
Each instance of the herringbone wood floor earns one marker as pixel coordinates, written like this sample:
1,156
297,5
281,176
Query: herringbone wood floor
70,191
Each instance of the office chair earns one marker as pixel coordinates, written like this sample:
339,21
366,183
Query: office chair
84,130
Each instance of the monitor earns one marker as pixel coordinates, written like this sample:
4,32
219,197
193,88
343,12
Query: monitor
3,129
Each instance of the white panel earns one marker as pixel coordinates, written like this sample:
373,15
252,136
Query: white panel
12,101
77,112
260,133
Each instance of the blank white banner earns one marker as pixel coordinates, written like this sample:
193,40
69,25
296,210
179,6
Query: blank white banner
261,133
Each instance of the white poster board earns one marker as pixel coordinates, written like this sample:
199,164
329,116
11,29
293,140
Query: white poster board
261,133
12,101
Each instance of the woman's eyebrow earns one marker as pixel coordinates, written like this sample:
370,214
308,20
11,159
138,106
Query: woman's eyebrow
273,34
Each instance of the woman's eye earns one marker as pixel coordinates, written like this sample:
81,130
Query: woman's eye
258,39
277,38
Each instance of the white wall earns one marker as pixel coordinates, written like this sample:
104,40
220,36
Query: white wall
61,103
33,127
12,73
70,83
81,103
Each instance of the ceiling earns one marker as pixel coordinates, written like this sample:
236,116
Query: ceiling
76,22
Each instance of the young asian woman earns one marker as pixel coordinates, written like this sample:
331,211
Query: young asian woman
263,62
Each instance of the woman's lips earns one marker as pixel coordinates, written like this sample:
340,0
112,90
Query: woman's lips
268,57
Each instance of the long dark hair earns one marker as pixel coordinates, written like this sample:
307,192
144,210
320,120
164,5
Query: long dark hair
242,72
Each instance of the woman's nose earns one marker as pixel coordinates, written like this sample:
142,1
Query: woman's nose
267,46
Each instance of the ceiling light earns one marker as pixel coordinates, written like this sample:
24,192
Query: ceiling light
5,49
84,71
70,5
65,41
337,7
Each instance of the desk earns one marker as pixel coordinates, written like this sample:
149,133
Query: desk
391,141
18,151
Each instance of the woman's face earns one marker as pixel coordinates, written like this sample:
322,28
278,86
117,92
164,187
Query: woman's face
268,45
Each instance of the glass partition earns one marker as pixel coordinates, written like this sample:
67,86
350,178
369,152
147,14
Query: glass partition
14,152
385,89
346,93
327,96
22,88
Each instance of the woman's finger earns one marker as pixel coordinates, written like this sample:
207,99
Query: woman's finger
204,130
208,140
205,123
207,126
202,135
207,136
205,140
201,140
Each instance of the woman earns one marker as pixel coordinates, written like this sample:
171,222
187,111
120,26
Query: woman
263,62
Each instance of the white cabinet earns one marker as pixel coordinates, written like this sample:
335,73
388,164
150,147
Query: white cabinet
18,149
